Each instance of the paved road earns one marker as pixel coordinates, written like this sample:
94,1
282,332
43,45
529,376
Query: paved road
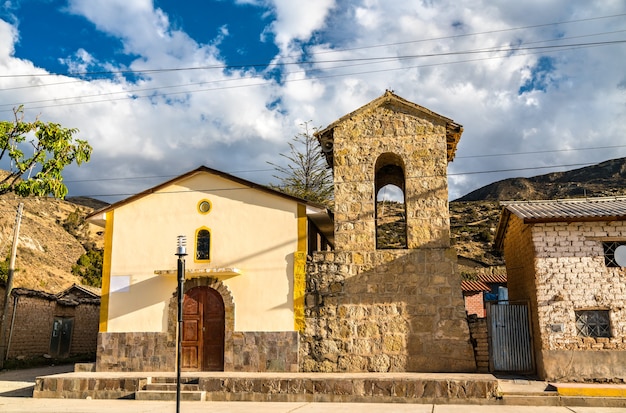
16,388
11,404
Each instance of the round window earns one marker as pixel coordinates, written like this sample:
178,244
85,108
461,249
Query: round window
204,206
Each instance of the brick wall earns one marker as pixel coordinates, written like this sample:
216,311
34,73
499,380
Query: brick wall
480,342
474,303
572,275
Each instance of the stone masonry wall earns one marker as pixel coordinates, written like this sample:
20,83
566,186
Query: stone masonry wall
421,143
379,311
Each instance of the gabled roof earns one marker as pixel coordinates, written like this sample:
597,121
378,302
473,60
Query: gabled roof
561,210
453,129
202,169
316,212
83,290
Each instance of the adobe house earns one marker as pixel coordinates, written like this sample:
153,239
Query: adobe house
39,323
245,275
375,305
566,258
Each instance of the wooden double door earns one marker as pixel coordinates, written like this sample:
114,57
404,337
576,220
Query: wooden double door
203,330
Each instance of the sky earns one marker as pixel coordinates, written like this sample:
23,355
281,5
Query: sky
161,87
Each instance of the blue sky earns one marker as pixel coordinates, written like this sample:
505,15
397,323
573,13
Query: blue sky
161,87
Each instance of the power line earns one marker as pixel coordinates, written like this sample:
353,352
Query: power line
388,59
209,190
538,152
241,66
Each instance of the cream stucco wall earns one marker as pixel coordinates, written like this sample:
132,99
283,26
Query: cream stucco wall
251,230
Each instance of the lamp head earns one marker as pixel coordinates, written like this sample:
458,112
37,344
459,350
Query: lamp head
181,248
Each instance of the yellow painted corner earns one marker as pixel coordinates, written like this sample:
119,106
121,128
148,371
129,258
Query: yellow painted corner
106,273
299,286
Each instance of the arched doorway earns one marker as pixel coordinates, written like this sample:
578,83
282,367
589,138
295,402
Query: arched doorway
203,330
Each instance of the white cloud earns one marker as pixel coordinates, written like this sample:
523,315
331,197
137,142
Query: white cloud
298,20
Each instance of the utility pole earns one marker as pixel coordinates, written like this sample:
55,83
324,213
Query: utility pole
9,285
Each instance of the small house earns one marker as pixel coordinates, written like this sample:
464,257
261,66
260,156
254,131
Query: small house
567,260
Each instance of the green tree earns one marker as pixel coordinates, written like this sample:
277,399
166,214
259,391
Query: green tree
50,148
306,175
89,268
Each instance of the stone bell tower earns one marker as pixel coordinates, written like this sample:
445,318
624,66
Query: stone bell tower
372,305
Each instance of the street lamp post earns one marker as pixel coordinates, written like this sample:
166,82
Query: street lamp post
181,252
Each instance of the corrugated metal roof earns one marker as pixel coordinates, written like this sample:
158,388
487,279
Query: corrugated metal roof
492,278
569,209
474,286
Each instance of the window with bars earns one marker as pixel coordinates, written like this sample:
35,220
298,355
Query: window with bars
593,323
609,253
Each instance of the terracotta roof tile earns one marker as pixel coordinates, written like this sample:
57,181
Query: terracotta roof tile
474,286
493,278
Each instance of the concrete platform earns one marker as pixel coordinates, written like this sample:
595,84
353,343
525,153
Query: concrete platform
282,387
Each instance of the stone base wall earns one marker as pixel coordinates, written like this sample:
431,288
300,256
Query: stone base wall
385,311
135,352
583,366
252,352
266,351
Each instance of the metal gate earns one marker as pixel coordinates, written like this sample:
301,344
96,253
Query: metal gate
61,339
510,338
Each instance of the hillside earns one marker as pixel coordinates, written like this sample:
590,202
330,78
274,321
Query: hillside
46,250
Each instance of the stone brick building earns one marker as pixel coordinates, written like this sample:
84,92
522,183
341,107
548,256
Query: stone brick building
567,259
58,325
370,307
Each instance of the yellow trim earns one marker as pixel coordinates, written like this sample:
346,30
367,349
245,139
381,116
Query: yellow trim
106,273
302,228
299,271
210,206
590,390
195,245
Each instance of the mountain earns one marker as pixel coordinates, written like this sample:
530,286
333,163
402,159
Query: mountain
604,179
474,217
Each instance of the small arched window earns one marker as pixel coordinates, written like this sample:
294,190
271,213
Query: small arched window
391,231
203,245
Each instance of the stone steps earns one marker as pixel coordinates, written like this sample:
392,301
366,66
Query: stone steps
164,388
